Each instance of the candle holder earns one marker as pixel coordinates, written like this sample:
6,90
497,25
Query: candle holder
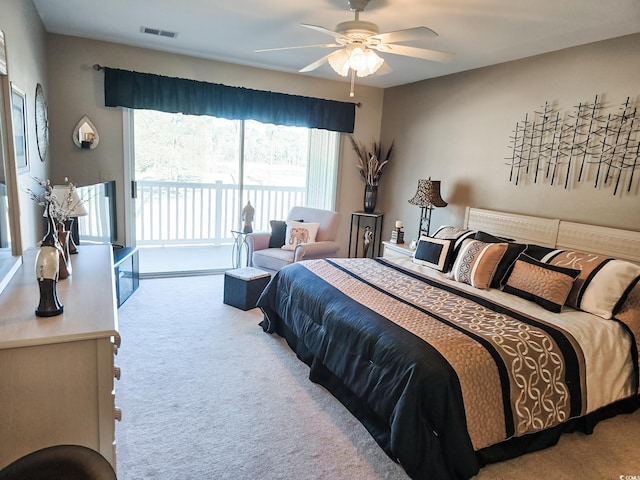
397,236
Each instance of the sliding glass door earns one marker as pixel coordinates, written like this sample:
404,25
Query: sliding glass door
194,174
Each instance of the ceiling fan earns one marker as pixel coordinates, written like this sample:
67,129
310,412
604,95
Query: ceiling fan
357,42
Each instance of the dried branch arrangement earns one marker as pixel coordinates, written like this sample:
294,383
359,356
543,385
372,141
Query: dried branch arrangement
370,162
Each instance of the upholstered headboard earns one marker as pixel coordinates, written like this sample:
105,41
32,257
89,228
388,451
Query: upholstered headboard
552,232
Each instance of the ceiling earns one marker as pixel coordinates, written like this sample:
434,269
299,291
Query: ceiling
479,32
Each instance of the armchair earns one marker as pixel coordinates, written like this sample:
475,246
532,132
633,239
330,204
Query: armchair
273,259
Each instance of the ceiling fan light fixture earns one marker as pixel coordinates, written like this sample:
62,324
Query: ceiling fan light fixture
372,63
357,59
339,61
361,60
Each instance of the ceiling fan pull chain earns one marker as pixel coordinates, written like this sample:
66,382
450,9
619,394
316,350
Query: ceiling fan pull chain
353,82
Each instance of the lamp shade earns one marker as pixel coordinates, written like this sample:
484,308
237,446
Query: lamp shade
428,194
68,200
339,61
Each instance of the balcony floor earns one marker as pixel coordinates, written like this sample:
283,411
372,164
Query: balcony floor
177,260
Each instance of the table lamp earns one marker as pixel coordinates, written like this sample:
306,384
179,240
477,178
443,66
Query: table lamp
68,199
427,197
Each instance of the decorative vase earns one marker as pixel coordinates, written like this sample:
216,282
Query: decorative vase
73,248
47,265
64,269
370,198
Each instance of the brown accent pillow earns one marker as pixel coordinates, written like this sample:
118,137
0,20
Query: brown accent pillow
477,262
508,260
629,312
546,285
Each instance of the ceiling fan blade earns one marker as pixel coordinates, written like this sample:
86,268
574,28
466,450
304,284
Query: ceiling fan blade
316,64
321,45
424,53
405,35
324,30
384,69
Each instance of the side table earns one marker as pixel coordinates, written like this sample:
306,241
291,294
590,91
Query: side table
239,244
243,287
374,222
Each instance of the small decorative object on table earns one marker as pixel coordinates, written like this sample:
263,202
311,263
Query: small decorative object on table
371,166
47,264
397,236
367,236
247,216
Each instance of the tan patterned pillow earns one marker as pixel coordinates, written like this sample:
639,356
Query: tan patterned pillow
629,313
477,262
546,285
630,309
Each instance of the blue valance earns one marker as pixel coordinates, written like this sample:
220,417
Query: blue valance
123,88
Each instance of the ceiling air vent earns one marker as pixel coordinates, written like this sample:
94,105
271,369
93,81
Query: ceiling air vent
158,32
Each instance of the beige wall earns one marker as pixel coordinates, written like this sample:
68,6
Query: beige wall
77,90
27,66
456,129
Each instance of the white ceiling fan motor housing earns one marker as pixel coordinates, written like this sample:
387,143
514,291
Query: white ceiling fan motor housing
357,29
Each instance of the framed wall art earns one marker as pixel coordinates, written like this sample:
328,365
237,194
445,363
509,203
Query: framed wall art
42,123
19,122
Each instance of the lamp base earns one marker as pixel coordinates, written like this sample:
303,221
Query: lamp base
425,219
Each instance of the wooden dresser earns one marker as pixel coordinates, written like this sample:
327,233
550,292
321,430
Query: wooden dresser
57,373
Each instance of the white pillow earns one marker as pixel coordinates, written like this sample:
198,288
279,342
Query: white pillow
298,233
609,287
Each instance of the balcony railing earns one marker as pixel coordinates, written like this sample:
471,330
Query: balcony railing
205,213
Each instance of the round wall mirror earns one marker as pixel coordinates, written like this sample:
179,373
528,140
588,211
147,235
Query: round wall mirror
85,135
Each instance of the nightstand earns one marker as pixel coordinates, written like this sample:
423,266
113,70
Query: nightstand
391,250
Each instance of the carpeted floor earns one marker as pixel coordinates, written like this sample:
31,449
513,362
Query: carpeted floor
205,394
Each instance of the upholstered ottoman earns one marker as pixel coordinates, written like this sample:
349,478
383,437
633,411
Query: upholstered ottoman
243,286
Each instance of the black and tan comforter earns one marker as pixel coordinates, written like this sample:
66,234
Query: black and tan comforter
437,374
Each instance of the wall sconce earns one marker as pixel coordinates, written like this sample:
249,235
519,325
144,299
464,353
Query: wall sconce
85,135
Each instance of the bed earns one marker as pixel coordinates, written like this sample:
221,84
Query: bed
495,339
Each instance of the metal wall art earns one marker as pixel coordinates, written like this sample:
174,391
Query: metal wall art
586,144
